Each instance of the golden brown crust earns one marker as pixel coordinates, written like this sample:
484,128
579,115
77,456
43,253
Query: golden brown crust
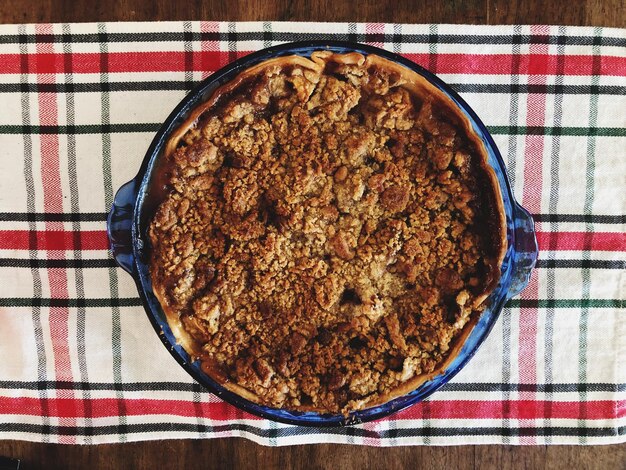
331,231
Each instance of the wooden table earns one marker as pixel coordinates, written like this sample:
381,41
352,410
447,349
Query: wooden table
240,453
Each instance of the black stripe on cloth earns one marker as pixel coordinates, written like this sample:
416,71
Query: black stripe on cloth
173,85
53,217
76,263
121,128
102,216
581,218
231,39
69,303
308,431
80,129
548,342
581,264
79,283
288,37
136,301
177,85
189,387
107,185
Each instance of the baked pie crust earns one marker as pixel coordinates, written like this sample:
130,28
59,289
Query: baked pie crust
327,232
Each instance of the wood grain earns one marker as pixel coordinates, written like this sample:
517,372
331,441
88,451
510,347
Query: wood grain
239,453
573,12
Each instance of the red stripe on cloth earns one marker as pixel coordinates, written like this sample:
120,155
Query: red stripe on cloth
518,409
531,197
97,240
222,411
536,63
575,241
53,202
54,240
530,64
106,407
212,48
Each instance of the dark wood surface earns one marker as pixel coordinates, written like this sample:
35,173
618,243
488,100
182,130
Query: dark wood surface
242,454
239,453
572,12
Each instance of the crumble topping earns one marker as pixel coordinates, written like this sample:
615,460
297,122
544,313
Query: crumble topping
325,236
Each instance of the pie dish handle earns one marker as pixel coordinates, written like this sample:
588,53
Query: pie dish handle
526,250
119,226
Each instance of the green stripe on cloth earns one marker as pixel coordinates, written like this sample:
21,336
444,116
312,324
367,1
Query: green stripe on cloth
558,130
566,303
588,209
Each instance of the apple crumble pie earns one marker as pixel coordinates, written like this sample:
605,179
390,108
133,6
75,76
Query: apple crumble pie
328,233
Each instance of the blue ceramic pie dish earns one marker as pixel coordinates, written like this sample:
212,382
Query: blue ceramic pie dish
129,218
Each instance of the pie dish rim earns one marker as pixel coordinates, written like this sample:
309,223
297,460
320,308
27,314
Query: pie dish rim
505,289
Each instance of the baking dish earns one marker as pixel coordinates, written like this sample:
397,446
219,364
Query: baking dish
131,213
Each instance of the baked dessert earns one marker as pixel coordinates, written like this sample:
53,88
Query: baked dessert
327,232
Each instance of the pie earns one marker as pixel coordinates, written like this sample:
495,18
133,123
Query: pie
327,232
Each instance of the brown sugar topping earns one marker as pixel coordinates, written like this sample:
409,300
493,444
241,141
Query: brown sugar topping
329,233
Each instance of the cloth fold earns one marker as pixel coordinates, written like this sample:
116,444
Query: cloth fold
80,104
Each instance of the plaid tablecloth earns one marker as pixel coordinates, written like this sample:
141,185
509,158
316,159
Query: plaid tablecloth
80,362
